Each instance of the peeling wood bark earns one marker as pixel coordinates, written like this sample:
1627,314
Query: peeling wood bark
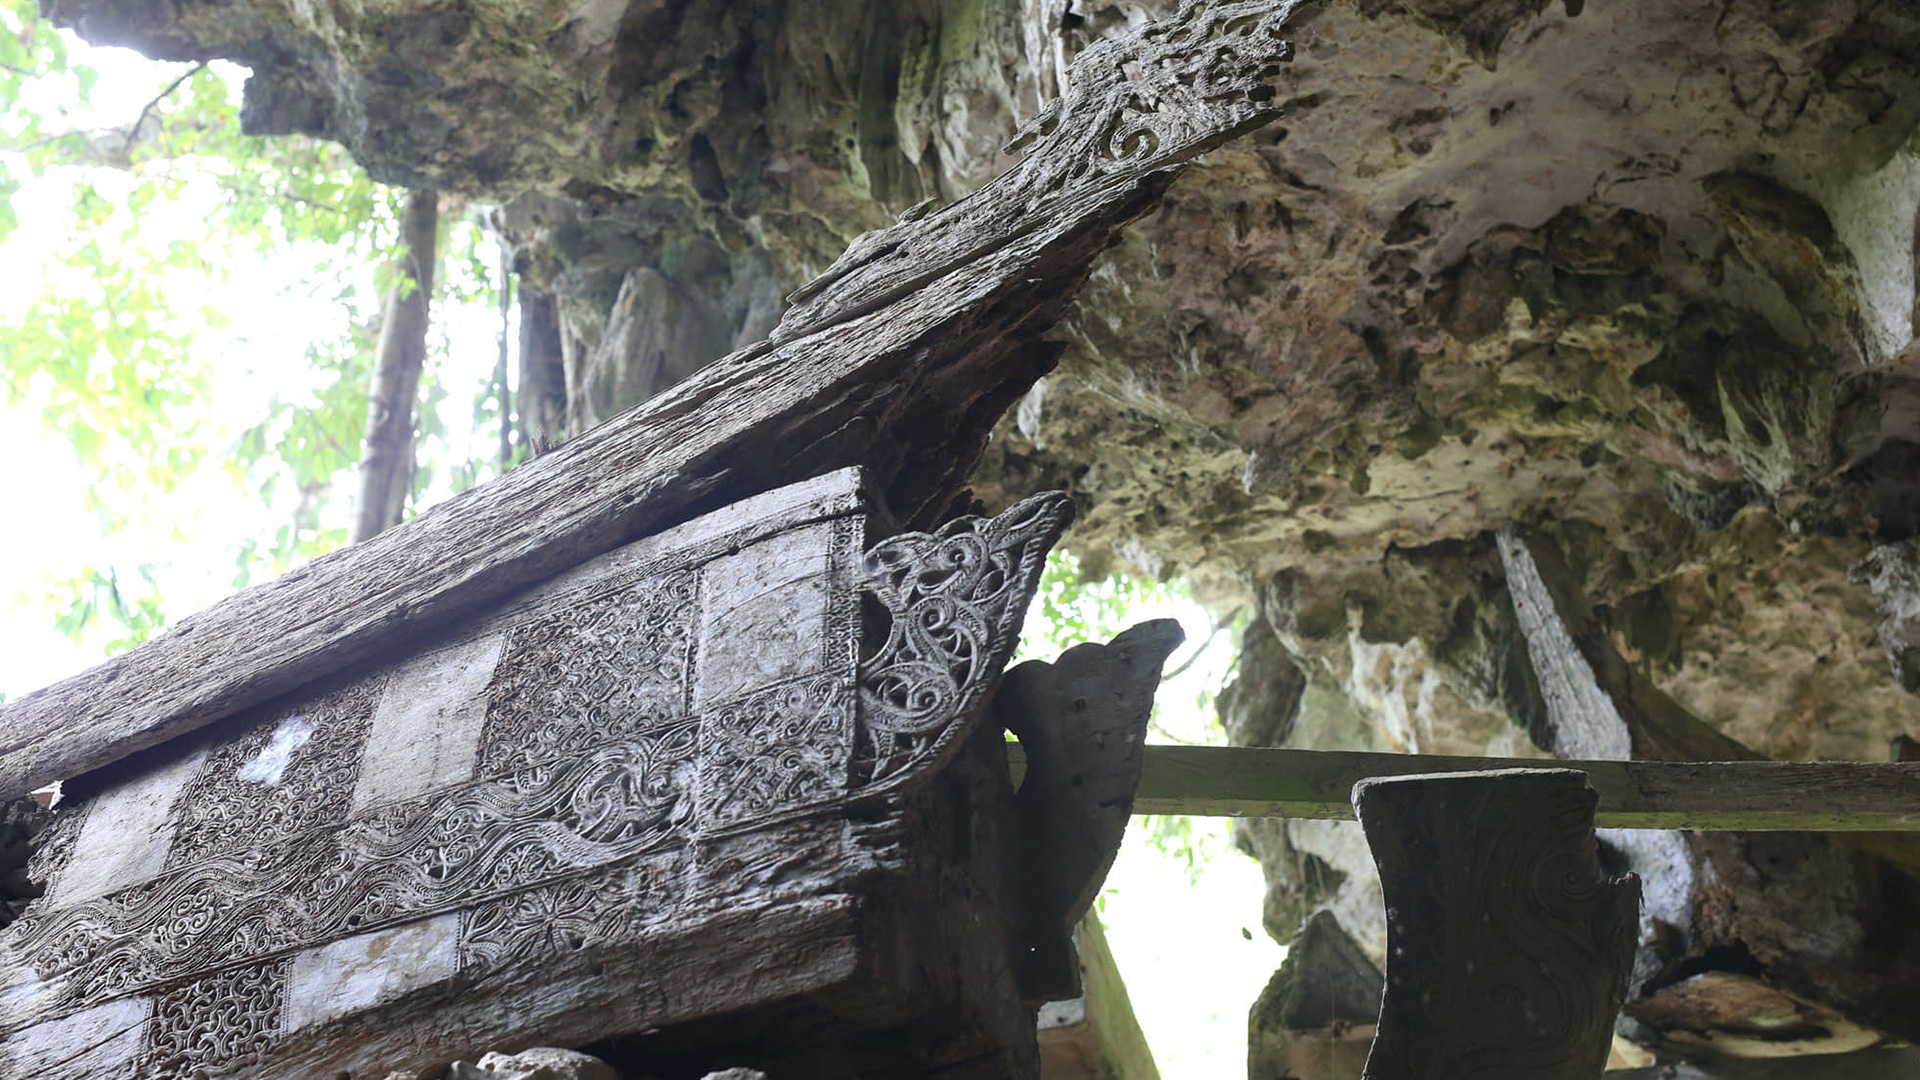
900,358
543,375
1599,706
1827,796
1749,893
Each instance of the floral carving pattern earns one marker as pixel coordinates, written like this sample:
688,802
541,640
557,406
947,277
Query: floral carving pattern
567,916
395,865
225,809
783,748
612,666
598,790
955,600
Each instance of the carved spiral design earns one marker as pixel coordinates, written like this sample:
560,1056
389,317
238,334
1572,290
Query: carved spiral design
955,600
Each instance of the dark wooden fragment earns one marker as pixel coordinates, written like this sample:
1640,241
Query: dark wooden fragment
1751,796
1081,720
900,358
1508,952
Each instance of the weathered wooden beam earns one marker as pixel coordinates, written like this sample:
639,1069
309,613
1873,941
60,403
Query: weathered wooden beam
1508,950
900,358
1758,796
1599,706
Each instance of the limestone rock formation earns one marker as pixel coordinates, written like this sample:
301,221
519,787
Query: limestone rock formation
1640,276
540,1063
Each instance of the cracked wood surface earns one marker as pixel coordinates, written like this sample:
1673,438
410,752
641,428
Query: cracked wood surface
920,336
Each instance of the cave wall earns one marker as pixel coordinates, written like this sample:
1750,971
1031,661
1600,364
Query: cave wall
1641,276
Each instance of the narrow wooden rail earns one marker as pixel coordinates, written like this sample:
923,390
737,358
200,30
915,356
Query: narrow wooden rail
1753,796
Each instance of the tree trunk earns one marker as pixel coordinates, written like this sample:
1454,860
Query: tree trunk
386,463
543,375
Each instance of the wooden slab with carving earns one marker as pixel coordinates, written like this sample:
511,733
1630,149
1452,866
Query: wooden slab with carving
1508,950
718,772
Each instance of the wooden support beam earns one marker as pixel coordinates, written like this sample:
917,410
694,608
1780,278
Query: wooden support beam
1755,796
900,358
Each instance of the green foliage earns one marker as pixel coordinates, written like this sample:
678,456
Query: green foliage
107,334
1069,608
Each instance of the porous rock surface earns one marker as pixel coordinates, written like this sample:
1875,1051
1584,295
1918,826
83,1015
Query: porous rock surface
1641,276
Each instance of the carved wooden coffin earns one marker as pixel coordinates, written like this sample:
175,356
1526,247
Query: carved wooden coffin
690,778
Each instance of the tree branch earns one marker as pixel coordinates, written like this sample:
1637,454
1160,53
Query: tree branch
134,131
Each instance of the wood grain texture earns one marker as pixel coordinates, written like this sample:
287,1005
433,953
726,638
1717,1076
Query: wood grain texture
1835,796
1096,1036
1508,952
900,359
1599,706
1081,721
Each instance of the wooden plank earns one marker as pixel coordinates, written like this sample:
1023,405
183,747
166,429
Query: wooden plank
1508,949
1599,706
1758,796
900,358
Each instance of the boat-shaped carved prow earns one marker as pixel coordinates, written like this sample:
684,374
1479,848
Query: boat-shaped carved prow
1151,100
945,620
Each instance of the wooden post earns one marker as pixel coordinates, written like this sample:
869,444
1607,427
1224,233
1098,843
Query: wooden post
1507,952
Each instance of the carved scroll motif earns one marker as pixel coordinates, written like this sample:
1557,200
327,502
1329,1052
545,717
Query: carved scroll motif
394,865
275,781
955,600
594,780
617,667
578,913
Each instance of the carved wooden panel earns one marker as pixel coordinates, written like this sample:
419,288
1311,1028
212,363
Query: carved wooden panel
678,728
1508,950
